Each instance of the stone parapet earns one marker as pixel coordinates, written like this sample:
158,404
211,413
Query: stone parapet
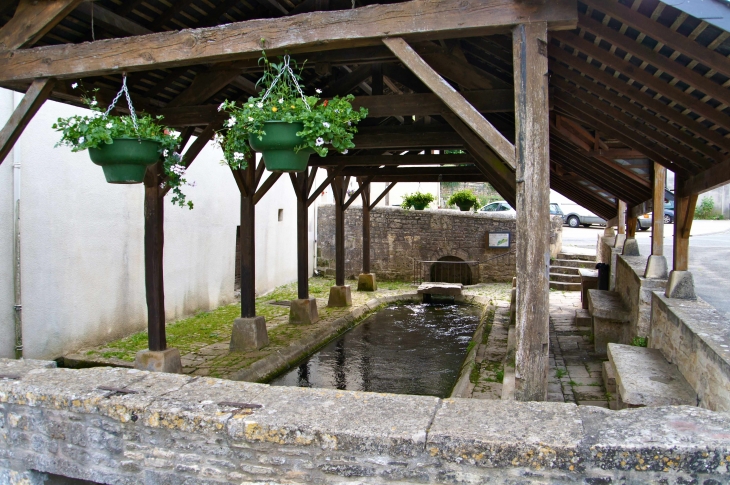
636,291
167,428
693,335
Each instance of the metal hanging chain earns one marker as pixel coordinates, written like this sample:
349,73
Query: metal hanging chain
124,91
286,68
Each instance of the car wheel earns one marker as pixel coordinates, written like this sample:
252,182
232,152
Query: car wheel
667,219
573,221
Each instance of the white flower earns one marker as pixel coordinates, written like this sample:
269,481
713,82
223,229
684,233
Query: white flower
218,139
74,85
250,118
81,140
231,121
165,153
319,91
281,100
93,102
237,156
319,142
162,185
349,123
178,169
325,124
109,125
345,152
250,105
221,106
259,105
337,111
72,122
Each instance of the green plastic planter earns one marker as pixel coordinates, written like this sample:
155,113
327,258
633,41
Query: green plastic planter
465,207
420,207
125,161
277,147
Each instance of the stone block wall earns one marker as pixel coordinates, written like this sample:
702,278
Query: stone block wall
556,236
480,189
696,337
399,237
636,293
609,254
173,429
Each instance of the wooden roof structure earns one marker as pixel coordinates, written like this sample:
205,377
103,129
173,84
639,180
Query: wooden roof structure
637,81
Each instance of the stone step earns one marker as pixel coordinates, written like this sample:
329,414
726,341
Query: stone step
564,269
583,318
565,278
609,377
561,286
578,257
575,263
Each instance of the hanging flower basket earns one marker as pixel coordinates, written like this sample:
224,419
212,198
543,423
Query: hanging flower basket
125,160
463,199
277,147
284,125
418,200
124,146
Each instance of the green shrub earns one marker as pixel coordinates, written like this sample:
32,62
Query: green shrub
640,341
417,199
463,198
705,208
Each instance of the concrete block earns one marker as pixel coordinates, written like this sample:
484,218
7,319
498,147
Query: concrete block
340,296
620,240
609,232
610,319
159,361
583,318
631,247
588,281
656,267
609,377
249,334
681,285
367,282
303,312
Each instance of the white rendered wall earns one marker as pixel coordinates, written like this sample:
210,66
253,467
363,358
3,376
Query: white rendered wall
7,298
82,245
403,188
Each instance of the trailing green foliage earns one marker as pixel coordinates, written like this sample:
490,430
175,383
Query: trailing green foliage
330,122
464,199
640,341
97,129
417,199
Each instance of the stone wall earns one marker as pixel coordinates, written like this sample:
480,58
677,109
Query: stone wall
609,254
636,291
696,337
480,189
174,429
399,237
556,236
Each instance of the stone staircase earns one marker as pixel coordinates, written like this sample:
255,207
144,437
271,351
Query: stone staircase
564,270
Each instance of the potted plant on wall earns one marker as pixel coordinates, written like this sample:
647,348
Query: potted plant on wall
418,200
124,146
286,126
463,199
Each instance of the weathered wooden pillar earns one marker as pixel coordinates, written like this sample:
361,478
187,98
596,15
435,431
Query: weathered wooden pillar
621,224
304,309
340,294
656,265
366,281
533,216
681,283
631,245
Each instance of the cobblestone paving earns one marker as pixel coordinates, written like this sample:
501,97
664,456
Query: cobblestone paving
575,370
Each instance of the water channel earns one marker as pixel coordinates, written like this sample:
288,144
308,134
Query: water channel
405,349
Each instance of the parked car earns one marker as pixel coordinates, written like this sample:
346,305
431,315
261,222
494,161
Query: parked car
555,210
646,219
499,206
583,218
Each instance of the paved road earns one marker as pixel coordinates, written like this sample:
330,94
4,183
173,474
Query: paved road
709,257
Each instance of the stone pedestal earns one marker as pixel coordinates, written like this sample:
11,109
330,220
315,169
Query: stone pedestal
366,282
340,296
588,281
631,247
303,312
620,240
159,361
681,285
249,334
656,267
609,232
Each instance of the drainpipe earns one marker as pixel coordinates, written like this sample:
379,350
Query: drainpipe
16,244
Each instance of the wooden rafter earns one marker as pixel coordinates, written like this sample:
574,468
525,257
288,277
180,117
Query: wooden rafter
32,20
28,107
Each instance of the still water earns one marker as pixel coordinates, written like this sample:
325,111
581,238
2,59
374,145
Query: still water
404,349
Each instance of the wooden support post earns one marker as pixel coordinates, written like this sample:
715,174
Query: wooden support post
621,215
37,94
247,241
533,217
300,187
631,223
657,223
365,229
339,190
154,239
684,211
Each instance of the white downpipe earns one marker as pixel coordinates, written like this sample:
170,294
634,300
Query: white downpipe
17,157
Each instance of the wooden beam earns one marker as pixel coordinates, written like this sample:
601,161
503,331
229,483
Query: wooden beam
247,240
621,216
206,85
634,72
622,153
191,153
533,204
669,66
154,240
714,176
317,31
684,211
460,106
299,181
657,223
268,183
110,21
339,190
34,98
32,20
382,195
408,171
639,96
357,193
330,177
366,221
390,160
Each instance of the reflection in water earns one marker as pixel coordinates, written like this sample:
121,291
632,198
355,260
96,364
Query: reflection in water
404,349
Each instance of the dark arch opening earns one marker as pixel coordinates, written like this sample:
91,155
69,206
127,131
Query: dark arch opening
451,270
